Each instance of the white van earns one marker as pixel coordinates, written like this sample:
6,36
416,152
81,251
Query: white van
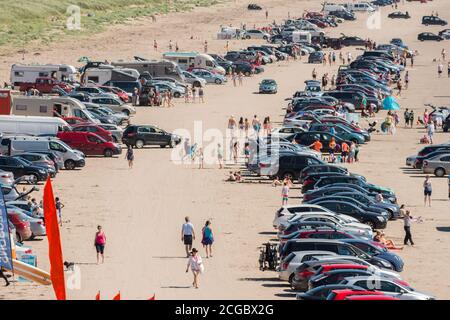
104,74
72,158
301,36
360,6
330,7
188,60
32,125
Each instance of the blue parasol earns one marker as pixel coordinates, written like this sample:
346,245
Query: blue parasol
389,103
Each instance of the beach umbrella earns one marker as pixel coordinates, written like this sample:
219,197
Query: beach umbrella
83,59
389,103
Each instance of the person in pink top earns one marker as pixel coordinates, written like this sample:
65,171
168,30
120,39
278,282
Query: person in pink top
100,242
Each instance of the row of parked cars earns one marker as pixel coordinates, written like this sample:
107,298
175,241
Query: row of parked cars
432,159
326,247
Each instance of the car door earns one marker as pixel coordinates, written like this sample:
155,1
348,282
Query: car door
145,133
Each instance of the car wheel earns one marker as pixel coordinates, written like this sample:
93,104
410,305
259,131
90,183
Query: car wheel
139,144
247,73
127,112
108,153
291,278
69,164
197,84
162,146
265,38
247,37
177,95
439,172
33,178
114,138
218,81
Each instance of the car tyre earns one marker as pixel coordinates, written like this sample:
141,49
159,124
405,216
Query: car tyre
177,95
247,73
291,278
247,37
108,153
370,224
439,172
19,237
69,164
127,112
34,178
139,144
218,81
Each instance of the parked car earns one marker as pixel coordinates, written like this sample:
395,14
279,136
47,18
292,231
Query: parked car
93,128
433,20
316,57
342,294
142,135
429,36
289,264
36,224
39,160
322,292
116,131
353,41
209,76
91,144
6,178
445,34
193,79
23,230
268,86
438,165
308,138
21,168
256,34
114,104
399,15
57,160
321,168
335,277
287,165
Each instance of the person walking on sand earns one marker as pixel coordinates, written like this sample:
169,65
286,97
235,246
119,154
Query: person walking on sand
427,190
440,69
430,130
314,74
207,239
407,219
155,45
187,235
444,54
201,94
195,263
220,155
130,156
99,243
59,207
285,194
205,46
406,80
234,78
240,78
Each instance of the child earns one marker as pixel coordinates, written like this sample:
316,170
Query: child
285,194
59,207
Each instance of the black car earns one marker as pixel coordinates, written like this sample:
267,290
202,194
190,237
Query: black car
322,292
308,138
432,20
356,98
290,165
399,15
241,66
316,57
321,168
141,135
446,124
346,15
428,36
21,168
335,276
353,41
254,6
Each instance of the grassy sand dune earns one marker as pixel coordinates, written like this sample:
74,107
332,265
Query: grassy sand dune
25,21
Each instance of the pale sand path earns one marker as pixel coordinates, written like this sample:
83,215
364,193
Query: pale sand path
142,209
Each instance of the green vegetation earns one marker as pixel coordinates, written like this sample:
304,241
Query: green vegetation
45,21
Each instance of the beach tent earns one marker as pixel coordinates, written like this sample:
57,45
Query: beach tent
389,103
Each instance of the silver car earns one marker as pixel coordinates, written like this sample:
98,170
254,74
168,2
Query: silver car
116,131
193,79
6,178
295,259
438,165
388,286
36,224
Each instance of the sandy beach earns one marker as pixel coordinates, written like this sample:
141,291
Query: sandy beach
142,210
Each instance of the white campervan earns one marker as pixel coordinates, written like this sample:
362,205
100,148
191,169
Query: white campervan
360,6
104,74
12,145
29,73
188,60
31,125
330,7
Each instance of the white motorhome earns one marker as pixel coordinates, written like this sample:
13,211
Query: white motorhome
188,60
103,74
330,7
49,107
360,6
29,73
32,125
156,68
301,36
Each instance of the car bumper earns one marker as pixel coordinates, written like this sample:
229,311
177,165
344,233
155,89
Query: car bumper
301,285
80,163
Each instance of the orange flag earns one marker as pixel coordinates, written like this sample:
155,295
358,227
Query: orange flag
97,296
153,298
54,243
117,297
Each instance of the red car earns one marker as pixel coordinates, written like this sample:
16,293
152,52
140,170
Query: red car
371,297
23,230
93,128
90,144
117,91
344,293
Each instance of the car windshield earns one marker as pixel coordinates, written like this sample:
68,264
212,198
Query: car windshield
268,82
24,161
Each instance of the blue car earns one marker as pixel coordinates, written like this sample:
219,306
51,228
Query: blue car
373,250
209,76
268,86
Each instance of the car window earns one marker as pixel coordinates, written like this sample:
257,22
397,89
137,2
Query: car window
326,247
445,159
389,287
144,130
344,250
56,146
320,235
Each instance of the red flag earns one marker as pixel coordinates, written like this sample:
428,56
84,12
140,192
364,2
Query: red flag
97,296
153,298
117,297
54,243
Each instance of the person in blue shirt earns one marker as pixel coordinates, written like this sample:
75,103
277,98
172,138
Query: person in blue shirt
208,238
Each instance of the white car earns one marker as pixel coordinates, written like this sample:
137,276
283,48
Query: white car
284,132
285,213
114,104
193,79
296,121
295,259
256,34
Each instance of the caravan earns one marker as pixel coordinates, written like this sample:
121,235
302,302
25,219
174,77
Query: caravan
155,68
301,36
105,73
190,60
21,74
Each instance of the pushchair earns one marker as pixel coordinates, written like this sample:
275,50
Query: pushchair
268,258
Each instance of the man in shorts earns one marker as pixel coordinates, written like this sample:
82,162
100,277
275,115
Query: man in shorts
187,235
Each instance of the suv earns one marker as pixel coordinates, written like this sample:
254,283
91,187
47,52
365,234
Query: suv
432,20
290,165
358,99
141,135
21,168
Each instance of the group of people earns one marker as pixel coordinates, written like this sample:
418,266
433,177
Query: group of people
243,126
194,94
195,262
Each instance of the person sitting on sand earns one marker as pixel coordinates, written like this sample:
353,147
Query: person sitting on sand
381,238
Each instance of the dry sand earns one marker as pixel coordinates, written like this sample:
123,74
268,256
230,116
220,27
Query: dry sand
142,209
